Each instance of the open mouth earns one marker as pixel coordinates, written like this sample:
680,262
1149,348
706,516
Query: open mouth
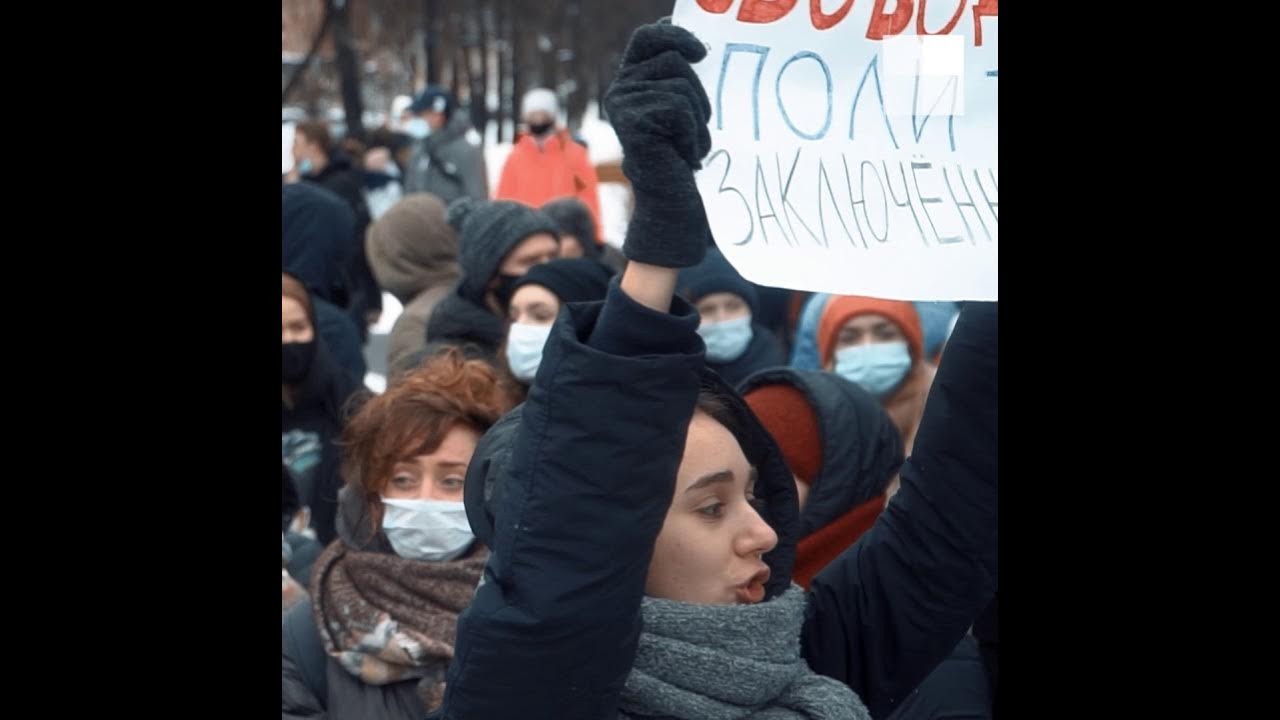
752,591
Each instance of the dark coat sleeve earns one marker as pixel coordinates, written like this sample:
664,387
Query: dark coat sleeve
956,690
554,626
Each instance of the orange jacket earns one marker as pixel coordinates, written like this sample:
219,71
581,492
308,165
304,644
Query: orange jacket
537,175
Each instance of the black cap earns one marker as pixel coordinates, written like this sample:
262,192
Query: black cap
433,99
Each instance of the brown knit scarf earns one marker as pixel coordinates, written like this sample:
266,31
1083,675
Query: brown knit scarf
386,619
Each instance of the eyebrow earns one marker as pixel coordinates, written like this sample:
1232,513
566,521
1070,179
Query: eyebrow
717,477
445,463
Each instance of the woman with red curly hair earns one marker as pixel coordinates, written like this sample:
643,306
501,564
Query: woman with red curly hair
377,635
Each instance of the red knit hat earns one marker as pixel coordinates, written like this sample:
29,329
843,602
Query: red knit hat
785,412
842,309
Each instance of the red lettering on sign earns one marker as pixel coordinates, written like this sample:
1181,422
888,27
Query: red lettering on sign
986,8
951,25
764,11
821,20
883,23
715,6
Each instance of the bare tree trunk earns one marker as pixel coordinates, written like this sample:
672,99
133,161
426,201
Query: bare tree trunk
348,68
311,100
579,92
415,70
311,54
518,81
502,43
548,36
608,70
446,69
477,67
602,86
460,69
547,64
431,39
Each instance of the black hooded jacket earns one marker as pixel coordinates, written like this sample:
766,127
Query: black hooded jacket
571,491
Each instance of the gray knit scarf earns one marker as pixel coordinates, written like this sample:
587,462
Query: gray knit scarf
726,662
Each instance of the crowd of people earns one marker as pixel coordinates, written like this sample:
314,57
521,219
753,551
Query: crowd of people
610,477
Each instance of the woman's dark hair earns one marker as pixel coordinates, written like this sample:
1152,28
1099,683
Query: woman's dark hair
712,403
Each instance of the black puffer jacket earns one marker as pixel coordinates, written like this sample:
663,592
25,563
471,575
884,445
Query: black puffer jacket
317,230
462,323
956,690
342,338
316,243
346,181
580,482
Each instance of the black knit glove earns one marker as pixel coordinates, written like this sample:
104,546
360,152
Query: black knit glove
660,111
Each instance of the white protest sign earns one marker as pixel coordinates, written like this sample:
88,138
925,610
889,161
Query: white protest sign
854,143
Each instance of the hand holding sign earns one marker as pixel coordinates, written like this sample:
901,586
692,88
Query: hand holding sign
660,111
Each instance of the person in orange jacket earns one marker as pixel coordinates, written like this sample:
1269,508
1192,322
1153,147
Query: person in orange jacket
545,162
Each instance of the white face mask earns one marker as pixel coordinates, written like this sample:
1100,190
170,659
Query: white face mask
524,349
727,340
417,128
435,530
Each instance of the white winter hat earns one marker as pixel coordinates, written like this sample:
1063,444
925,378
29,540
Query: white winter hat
539,99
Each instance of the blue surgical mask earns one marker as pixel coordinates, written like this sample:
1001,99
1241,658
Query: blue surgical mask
417,128
727,340
305,166
878,368
524,349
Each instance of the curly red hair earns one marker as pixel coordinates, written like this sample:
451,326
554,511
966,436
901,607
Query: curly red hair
412,417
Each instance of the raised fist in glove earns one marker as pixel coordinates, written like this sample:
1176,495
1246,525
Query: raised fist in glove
660,111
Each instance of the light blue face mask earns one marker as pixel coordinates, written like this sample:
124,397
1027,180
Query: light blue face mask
524,349
727,340
435,530
305,166
877,368
417,128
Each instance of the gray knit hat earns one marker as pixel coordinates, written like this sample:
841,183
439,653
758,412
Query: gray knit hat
489,230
